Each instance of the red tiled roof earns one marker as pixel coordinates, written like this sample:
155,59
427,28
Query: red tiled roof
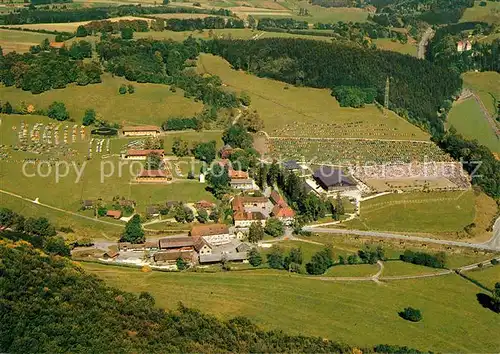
57,45
204,204
141,128
277,198
241,216
209,230
237,203
144,152
114,213
237,174
281,211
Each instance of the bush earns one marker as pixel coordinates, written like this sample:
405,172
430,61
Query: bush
254,257
494,261
411,314
122,90
127,33
320,262
57,110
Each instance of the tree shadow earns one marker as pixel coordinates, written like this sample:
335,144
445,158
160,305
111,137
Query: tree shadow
485,301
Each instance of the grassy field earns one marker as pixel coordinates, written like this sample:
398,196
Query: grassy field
396,268
69,190
356,313
150,104
357,270
417,212
468,120
487,276
486,86
387,44
300,111
21,41
489,13
325,15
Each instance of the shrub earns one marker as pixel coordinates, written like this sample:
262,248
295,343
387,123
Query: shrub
411,314
122,90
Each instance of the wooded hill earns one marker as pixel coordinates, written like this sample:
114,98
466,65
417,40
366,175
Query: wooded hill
50,305
418,88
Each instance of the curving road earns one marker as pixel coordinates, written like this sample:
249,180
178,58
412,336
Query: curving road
429,33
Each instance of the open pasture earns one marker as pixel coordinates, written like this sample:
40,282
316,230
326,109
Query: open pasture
486,276
150,104
360,313
418,212
487,86
354,151
21,41
409,184
489,13
353,270
300,111
102,176
468,119
396,46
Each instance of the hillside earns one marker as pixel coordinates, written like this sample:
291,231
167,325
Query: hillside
50,305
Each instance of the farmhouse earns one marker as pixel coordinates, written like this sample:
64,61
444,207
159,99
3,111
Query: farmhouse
177,243
204,204
464,46
147,246
214,234
56,45
291,165
142,154
202,247
114,214
154,176
152,211
87,204
233,251
240,180
142,130
281,210
245,219
127,203
332,179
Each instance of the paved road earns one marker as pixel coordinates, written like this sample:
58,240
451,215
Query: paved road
492,245
429,33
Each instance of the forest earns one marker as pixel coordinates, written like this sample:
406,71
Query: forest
51,305
212,22
44,69
166,62
418,88
38,15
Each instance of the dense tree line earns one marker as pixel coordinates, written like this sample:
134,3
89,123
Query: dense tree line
334,3
164,62
49,69
37,15
354,96
37,231
421,258
267,23
442,49
211,22
181,123
477,159
43,295
116,26
418,88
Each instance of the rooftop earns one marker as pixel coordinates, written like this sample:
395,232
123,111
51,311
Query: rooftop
141,128
177,242
155,173
145,152
209,230
332,176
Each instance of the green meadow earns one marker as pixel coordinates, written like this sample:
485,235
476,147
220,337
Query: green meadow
358,313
